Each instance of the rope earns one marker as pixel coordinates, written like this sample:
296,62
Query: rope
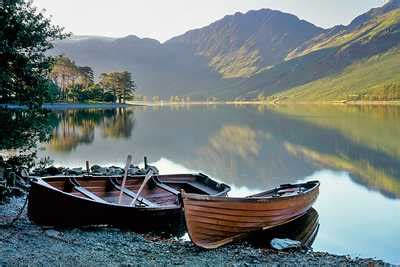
18,216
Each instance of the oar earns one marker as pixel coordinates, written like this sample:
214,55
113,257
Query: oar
146,179
128,162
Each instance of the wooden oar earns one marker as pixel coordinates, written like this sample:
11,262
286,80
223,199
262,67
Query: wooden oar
146,179
128,162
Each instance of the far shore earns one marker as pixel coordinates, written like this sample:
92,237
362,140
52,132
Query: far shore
364,103
65,106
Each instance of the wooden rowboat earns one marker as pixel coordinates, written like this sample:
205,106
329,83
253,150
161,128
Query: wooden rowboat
96,200
215,221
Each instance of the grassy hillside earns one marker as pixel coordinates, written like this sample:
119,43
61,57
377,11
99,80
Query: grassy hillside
349,52
374,28
376,78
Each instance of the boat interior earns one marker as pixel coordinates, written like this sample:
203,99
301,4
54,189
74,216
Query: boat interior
160,190
287,190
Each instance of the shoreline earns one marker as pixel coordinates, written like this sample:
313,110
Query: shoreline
266,103
27,244
65,106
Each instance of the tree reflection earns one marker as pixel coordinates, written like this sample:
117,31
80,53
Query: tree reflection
118,124
20,133
22,130
77,127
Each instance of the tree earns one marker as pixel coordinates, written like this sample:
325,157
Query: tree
128,86
119,83
107,83
86,76
25,35
64,74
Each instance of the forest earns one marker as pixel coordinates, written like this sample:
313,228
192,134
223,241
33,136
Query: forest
74,83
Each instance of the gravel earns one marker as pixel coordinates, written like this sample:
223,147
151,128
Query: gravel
24,243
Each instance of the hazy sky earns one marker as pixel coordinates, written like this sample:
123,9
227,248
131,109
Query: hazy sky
163,19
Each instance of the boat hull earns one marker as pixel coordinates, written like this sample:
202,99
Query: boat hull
216,221
49,207
66,201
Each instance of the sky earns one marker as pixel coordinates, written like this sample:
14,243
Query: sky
164,19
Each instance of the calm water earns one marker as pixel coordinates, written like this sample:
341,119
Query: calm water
353,151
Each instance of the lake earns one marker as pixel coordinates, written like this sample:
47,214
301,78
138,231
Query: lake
353,150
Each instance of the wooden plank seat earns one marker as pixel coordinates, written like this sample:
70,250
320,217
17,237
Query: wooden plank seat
199,186
133,194
85,192
166,187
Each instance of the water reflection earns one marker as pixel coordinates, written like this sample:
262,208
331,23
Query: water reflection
254,148
76,127
303,229
21,131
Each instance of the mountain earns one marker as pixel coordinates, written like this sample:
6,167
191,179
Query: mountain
240,45
197,62
334,53
263,52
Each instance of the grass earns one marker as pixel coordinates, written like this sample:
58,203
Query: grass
367,32
366,80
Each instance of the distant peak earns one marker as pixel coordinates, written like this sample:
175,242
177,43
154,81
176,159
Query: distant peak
130,37
379,11
392,4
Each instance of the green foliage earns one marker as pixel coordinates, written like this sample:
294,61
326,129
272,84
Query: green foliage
53,93
25,34
120,84
76,83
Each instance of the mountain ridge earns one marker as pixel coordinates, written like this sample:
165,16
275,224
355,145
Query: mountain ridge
261,52
240,45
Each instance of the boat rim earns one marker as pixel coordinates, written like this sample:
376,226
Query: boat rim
191,196
40,181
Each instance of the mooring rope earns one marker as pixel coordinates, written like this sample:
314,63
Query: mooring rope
18,216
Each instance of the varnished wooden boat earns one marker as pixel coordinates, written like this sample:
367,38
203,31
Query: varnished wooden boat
216,221
88,200
303,229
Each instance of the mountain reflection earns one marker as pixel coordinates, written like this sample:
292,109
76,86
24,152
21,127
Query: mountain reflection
231,145
254,147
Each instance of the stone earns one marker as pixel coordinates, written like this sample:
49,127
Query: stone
282,244
98,169
52,171
75,171
52,233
